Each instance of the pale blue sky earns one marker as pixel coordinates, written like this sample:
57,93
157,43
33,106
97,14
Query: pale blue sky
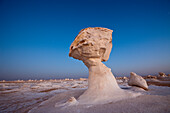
35,36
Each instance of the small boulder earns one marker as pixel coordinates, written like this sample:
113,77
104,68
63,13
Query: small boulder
136,80
125,79
161,74
83,79
70,102
150,76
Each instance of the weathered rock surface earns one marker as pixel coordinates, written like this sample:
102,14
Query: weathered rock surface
158,82
162,74
136,80
92,43
150,77
92,46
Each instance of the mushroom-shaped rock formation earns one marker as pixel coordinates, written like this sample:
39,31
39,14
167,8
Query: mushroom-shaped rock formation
136,80
92,46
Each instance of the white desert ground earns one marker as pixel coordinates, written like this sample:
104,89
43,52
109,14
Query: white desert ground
41,96
100,93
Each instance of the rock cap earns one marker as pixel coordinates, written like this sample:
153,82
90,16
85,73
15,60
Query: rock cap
92,43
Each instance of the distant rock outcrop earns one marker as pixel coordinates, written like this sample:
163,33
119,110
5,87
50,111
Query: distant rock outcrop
136,80
161,74
150,76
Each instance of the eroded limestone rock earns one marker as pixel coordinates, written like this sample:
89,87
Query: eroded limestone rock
92,43
161,74
150,76
71,101
92,46
136,80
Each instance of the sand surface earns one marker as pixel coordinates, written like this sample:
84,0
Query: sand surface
21,96
151,102
43,96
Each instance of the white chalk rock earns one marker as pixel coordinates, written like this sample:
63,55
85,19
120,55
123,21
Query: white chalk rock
72,101
161,74
136,80
92,46
92,43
